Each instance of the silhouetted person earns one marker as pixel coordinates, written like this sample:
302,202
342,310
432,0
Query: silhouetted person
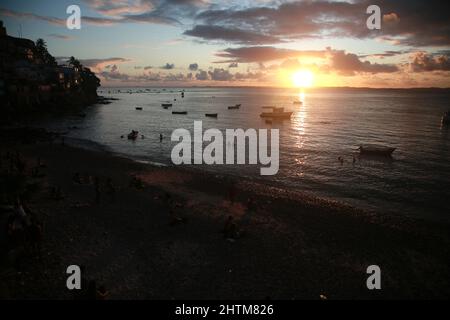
111,189
97,190
161,138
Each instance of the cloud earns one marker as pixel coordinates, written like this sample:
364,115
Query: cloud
220,75
227,34
202,75
411,22
97,65
60,36
263,54
386,54
193,67
168,66
348,64
424,62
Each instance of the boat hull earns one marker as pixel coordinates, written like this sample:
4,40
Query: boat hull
276,115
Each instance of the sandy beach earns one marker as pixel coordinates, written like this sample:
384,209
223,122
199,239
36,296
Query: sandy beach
158,236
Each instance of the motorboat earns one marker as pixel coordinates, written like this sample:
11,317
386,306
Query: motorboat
139,108
277,113
179,112
168,105
211,115
378,150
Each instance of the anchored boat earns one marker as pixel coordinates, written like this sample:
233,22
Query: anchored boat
277,113
378,150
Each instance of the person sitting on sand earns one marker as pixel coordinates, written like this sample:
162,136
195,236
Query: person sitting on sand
77,178
230,230
56,193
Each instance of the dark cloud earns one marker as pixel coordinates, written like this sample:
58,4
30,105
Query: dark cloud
220,75
386,54
60,36
424,62
349,64
202,75
193,67
168,66
408,22
263,54
228,34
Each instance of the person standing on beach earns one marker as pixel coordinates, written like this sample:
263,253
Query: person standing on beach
161,138
111,189
97,190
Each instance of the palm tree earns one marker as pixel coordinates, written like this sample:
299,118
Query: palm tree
74,63
42,51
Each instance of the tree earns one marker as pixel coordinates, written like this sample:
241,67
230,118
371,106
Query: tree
42,51
75,63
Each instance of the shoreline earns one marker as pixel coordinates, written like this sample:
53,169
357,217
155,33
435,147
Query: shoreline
141,246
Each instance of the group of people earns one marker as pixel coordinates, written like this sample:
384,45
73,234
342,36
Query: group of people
24,231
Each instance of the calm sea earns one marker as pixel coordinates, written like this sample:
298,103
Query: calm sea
330,124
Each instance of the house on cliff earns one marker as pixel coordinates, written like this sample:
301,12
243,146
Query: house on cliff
30,76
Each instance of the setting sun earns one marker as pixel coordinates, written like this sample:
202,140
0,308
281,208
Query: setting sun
303,79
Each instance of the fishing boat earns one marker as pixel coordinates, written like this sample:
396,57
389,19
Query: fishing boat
211,115
139,108
298,102
234,107
179,112
377,150
168,105
277,113
133,135
446,119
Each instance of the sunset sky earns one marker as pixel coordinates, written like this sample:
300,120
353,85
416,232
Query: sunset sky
241,42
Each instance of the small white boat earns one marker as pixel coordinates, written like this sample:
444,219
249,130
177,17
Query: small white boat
277,113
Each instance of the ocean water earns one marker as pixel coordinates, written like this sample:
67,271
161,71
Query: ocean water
330,124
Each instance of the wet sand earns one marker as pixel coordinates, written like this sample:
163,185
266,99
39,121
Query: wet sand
291,246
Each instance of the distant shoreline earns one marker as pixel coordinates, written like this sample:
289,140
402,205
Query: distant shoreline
419,89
